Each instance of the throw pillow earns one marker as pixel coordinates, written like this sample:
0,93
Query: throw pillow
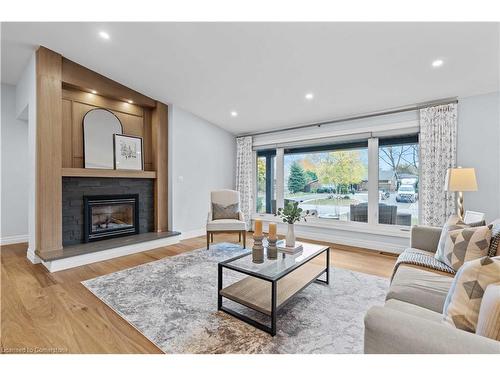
461,308
225,212
452,223
488,323
466,244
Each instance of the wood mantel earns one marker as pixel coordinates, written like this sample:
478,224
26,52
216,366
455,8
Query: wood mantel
64,95
106,173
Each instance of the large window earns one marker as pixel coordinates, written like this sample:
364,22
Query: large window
398,181
329,181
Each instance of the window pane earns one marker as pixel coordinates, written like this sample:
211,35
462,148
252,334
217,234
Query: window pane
266,184
331,184
261,184
398,183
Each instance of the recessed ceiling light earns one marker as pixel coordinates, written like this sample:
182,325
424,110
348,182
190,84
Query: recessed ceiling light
309,96
93,91
234,114
130,101
437,63
104,35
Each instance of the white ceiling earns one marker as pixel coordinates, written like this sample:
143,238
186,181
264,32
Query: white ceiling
263,70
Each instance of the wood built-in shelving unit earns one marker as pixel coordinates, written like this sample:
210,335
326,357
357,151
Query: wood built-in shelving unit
107,173
63,97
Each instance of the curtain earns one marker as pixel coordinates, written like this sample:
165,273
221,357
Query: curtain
438,143
244,178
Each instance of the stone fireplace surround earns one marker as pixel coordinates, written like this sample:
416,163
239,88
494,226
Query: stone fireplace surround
74,188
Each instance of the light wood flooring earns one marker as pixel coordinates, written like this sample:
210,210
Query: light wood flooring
53,313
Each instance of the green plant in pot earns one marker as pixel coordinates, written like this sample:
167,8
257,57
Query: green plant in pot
290,214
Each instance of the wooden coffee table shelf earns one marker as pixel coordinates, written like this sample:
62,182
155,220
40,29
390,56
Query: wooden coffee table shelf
256,293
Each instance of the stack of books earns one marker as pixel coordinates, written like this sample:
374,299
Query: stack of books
281,245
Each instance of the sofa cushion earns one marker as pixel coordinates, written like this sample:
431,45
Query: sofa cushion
453,223
389,331
463,301
419,287
225,224
414,310
488,322
463,245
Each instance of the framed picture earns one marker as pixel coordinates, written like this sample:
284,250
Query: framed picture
473,217
128,152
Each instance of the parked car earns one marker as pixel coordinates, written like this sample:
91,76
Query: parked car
406,193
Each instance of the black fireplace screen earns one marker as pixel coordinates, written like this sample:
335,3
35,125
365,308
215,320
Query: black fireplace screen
110,216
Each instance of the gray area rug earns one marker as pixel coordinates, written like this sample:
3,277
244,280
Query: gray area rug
173,302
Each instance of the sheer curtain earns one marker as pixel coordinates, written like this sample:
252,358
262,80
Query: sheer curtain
244,178
438,144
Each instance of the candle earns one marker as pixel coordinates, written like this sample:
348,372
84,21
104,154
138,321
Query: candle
258,228
272,230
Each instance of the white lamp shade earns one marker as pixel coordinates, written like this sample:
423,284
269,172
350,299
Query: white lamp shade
460,179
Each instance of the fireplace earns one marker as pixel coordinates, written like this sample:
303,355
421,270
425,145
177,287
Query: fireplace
109,216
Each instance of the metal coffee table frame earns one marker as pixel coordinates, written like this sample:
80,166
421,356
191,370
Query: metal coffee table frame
274,281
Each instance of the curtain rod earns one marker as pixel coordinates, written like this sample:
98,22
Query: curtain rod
413,107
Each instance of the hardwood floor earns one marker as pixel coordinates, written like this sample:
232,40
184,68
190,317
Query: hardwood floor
53,313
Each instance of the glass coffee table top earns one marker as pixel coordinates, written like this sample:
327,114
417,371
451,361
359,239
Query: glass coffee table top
273,269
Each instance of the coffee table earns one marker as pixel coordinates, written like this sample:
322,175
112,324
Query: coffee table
270,284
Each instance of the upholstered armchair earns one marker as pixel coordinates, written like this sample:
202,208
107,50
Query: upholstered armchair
225,215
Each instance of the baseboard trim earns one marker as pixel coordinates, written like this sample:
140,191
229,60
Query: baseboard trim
81,260
193,233
32,257
9,240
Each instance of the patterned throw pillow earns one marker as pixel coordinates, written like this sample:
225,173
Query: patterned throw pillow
452,223
466,244
488,323
225,212
461,308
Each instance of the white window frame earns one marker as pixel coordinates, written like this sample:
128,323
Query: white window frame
372,226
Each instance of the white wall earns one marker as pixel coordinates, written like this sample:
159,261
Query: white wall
15,173
201,158
479,147
26,109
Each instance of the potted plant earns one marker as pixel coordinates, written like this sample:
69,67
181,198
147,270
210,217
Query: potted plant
290,214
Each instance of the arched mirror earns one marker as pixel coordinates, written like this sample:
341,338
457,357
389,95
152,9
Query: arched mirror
99,125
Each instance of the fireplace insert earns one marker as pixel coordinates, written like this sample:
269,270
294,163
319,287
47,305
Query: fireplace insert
109,216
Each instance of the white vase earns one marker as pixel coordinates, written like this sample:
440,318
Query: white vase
290,236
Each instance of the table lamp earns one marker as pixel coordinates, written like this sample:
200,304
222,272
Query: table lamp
460,180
